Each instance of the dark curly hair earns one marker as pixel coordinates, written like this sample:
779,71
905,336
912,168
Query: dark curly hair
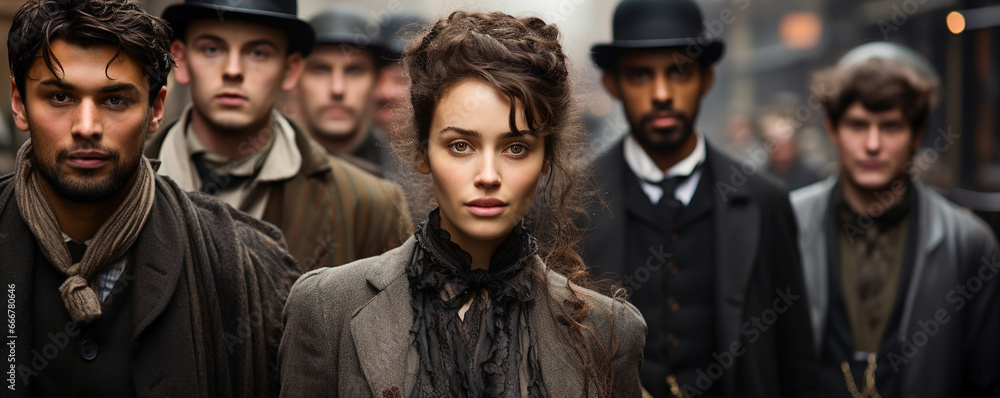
879,85
120,23
523,60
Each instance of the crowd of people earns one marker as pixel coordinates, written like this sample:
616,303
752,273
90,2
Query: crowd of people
420,217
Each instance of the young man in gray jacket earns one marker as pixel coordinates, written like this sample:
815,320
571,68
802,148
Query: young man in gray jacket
900,280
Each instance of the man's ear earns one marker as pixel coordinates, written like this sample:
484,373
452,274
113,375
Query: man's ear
18,108
293,69
156,111
611,84
181,72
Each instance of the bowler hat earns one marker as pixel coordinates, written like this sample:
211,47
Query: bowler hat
397,33
647,24
345,24
280,14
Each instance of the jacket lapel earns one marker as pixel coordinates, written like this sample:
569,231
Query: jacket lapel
812,206
929,237
737,227
555,357
158,256
381,328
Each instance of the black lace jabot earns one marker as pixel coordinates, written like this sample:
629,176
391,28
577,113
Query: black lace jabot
491,351
442,262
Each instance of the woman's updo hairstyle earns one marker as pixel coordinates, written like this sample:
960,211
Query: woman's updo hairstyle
523,60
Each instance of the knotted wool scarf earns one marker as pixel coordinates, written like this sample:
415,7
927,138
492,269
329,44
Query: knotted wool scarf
113,239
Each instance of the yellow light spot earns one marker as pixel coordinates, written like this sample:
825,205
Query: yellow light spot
956,22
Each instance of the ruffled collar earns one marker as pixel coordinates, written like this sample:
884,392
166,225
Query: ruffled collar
441,263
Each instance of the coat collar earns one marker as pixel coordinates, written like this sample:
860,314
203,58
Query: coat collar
386,352
812,204
314,158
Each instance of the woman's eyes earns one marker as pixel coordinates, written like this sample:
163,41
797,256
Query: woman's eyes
517,149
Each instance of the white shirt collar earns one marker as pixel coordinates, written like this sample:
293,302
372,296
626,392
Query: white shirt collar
643,166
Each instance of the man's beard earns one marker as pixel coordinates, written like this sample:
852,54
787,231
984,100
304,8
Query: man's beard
644,135
87,188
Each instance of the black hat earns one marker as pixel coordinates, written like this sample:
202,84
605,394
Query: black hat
644,24
345,24
277,13
398,32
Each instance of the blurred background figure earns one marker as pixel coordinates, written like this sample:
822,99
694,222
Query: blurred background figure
392,92
781,142
337,91
901,281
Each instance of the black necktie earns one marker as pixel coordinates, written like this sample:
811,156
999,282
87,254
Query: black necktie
212,182
76,251
669,185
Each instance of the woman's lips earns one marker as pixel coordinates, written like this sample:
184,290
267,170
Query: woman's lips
486,207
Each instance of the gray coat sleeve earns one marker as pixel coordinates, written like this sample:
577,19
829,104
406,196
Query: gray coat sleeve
307,359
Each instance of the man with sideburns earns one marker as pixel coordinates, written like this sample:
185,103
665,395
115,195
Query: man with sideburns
707,252
337,88
232,143
901,281
119,283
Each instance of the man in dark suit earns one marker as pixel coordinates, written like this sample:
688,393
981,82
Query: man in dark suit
231,142
706,246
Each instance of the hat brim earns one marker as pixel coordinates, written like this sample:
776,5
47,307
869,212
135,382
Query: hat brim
606,55
301,37
377,48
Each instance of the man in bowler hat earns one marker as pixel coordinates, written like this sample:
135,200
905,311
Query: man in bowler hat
706,250
231,142
337,89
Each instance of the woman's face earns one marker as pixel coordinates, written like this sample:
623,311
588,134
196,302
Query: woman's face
484,175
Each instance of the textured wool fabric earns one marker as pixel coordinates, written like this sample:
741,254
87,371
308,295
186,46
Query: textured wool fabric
113,239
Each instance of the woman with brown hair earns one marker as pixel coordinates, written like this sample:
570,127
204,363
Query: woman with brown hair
474,305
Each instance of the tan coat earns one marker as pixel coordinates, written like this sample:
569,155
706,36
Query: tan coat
330,212
347,334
